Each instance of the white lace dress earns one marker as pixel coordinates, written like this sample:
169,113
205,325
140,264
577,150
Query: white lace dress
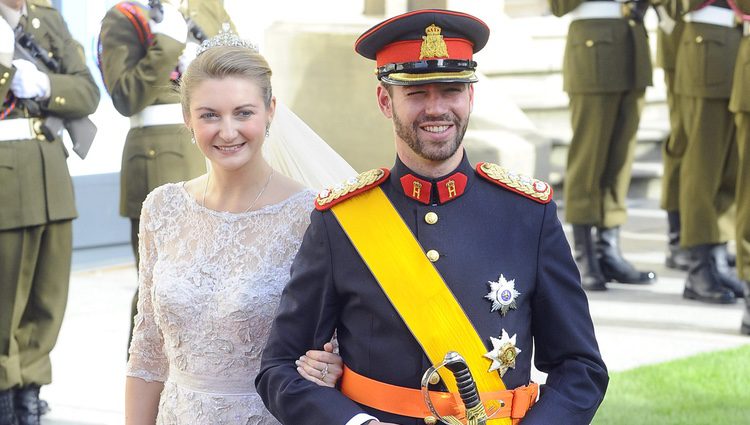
210,284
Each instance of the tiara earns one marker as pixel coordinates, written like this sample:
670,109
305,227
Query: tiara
225,38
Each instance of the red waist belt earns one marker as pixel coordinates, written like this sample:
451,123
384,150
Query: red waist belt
410,402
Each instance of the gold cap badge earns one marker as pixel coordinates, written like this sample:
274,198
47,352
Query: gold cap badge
433,45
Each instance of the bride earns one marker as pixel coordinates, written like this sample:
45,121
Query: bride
216,250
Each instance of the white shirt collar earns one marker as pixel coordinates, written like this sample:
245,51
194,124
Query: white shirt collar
13,16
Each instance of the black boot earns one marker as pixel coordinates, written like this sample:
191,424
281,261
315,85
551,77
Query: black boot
7,407
678,258
585,256
729,278
613,266
703,281
27,405
745,328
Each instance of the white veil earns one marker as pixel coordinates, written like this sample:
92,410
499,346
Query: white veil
295,150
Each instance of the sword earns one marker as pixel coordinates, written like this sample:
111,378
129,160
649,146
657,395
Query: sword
467,389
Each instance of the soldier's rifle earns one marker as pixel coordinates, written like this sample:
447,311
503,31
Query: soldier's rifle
156,13
81,130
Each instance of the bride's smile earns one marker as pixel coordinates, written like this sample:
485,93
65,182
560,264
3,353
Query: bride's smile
230,148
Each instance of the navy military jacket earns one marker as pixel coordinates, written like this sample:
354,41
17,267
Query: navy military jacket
483,233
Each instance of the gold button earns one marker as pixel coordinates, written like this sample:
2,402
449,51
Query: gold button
433,255
589,43
699,39
631,23
6,75
2,81
431,218
151,153
430,420
434,379
62,101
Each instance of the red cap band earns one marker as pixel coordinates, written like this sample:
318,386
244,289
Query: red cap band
409,51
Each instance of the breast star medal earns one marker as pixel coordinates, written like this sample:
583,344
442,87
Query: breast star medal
503,295
503,353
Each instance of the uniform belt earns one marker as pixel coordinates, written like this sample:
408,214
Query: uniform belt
164,114
597,10
713,15
410,402
20,129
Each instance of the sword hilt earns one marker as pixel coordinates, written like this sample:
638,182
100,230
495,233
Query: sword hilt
467,388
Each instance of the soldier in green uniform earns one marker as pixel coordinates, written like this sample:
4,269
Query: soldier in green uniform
739,104
667,43
703,81
606,69
36,198
141,61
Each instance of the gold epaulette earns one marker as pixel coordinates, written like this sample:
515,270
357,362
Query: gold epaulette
350,188
531,188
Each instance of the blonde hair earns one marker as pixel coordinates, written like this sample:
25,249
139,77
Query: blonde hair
222,62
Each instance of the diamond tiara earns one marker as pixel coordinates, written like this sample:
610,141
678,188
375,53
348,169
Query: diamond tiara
225,38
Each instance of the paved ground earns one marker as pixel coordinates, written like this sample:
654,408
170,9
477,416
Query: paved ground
634,325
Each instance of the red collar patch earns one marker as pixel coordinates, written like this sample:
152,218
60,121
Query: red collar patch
420,190
452,187
416,188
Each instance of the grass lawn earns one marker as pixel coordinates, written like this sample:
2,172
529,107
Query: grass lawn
710,389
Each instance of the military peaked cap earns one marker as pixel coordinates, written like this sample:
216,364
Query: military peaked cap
425,46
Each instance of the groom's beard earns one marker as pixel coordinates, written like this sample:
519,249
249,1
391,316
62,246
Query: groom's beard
427,150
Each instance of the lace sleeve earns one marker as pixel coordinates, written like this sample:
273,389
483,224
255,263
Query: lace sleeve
147,359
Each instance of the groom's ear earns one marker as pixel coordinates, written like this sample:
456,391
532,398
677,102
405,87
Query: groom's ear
384,101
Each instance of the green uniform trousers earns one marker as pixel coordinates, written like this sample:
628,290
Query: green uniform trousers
35,275
742,119
709,169
601,156
672,150
674,147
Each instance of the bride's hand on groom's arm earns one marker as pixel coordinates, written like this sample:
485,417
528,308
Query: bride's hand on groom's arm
321,367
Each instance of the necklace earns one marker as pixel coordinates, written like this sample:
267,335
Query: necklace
252,204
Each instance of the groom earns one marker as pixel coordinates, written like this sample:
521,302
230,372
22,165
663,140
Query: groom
434,256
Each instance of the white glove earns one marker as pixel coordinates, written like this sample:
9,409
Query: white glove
187,56
7,43
29,82
173,25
